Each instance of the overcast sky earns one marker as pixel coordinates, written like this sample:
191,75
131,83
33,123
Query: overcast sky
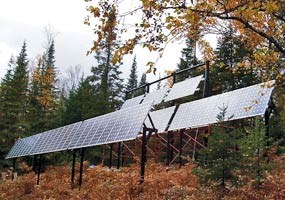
25,20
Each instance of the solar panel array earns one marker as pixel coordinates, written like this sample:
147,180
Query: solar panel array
126,123
184,88
160,118
157,96
132,102
55,140
118,126
23,147
242,103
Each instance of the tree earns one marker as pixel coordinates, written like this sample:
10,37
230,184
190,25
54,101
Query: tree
229,71
81,103
260,23
44,98
187,60
132,80
14,99
222,155
142,82
106,75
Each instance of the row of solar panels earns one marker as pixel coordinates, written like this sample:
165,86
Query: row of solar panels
178,90
126,124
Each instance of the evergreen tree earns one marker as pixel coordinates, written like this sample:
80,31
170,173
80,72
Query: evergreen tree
253,147
14,98
44,98
187,60
222,155
141,83
228,73
106,75
132,80
80,104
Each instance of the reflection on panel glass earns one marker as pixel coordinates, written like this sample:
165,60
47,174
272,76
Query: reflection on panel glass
133,102
117,126
242,103
157,96
184,88
55,140
160,118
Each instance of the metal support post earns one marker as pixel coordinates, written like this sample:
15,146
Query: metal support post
39,169
14,168
73,168
207,91
119,155
180,146
35,164
111,156
168,149
81,168
143,156
123,154
171,145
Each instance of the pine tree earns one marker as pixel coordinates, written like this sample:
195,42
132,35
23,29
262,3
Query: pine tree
81,103
132,80
221,153
106,75
141,83
187,60
14,99
44,98
226,73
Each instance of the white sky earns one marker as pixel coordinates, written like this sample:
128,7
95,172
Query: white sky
25,20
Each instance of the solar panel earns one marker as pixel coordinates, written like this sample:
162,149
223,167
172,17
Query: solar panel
157,96
242,103
121,125
184,88
160,118
254,101
133,101
22,147
55,140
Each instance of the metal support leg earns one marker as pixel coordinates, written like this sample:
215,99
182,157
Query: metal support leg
39,169
123,154
119,155
111,156
81,167
14,168
172,144
35,163
180,147
73,169
168,149
143,156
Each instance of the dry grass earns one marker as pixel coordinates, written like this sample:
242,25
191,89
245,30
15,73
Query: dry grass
160,183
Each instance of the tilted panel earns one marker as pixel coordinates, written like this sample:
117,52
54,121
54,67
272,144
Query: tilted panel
195,113
246,102
160,118
184,88
23,147
242,103
157,96
133,102
121,125
55,140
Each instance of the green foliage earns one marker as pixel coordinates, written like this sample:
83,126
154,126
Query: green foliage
221,154
141,83
228,72
253,148
132,80
13,105
187,60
